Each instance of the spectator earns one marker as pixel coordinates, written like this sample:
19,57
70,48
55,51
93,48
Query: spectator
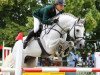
71,60
84,56
90,60
64,55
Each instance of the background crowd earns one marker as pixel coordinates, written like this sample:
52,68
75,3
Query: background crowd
73,59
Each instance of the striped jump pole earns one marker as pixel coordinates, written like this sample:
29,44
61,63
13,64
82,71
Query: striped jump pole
61,69
5,52
52,69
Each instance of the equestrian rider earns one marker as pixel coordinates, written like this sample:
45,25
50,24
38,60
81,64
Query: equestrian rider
43,15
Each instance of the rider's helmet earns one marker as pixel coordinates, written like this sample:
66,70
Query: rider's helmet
62,2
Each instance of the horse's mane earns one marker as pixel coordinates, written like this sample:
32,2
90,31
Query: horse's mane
69,14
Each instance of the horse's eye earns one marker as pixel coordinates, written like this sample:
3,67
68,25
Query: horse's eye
77,30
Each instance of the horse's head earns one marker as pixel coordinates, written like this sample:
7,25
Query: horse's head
78,29
77,33
72,26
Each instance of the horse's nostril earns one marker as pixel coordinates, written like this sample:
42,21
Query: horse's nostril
80,45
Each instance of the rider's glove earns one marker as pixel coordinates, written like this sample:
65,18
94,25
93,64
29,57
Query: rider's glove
55,20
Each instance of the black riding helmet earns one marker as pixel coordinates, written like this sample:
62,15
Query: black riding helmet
61,2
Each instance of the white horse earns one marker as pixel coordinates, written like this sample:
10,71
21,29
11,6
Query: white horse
50,41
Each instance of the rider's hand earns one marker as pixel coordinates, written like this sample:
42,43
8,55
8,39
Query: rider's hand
55,20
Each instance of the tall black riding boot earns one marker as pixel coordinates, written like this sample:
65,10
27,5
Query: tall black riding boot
30,35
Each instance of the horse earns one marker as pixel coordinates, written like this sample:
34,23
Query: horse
51,38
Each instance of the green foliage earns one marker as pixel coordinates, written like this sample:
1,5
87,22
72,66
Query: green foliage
91,23
12,29
17,11
15,17
97,3
44,1
74,6
85,9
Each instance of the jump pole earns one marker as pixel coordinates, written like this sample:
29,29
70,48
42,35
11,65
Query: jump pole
5,52
52,69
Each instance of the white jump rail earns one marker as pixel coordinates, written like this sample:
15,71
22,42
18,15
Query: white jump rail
52,69
6,51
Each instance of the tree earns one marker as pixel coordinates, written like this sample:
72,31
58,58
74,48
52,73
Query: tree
17,11
85,9
97,3
15,17
44,2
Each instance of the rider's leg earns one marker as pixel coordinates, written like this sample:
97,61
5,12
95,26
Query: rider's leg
33,32
37,27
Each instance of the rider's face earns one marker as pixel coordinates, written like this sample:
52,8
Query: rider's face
60,7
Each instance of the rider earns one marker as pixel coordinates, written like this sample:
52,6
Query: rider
43,15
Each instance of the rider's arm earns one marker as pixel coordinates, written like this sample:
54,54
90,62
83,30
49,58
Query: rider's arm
46,19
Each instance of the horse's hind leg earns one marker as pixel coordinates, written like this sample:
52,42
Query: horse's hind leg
30,62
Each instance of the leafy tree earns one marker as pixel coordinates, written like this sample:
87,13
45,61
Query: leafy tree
85,9
44,2
15,17
17,11
97,3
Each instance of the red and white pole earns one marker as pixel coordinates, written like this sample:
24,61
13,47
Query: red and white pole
52,69
5,52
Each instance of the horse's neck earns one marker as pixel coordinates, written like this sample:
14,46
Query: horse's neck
70,23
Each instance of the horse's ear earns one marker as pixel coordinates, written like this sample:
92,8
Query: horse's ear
78,19
82,21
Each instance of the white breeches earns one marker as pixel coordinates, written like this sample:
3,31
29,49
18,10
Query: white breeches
36,24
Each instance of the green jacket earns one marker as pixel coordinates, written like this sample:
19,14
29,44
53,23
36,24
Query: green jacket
45,14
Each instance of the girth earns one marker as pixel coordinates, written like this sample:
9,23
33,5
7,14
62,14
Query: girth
42,48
